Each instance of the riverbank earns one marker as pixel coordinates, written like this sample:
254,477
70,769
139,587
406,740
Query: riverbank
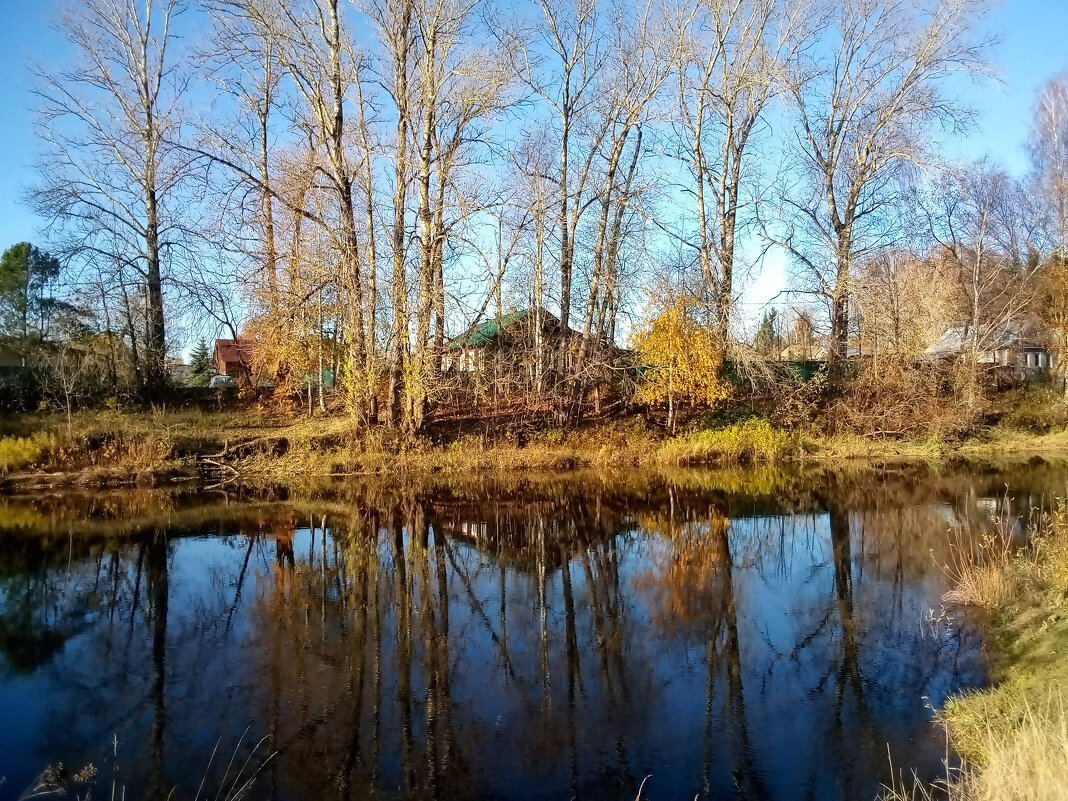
149,448
1013,737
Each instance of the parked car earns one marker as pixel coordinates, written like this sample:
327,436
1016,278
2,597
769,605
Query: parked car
220,381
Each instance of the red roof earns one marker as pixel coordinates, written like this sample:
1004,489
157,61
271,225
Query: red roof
234,351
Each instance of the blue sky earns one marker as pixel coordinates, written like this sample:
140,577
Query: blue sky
1031,51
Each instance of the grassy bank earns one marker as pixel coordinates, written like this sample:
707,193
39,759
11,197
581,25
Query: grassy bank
108,447
1013,737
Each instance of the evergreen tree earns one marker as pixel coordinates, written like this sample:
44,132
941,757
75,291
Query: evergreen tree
766,340
203,369
25,275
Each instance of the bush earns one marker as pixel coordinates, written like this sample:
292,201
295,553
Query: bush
1038,410
899,399
18,453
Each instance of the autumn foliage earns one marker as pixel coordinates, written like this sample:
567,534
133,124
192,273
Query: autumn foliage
679,358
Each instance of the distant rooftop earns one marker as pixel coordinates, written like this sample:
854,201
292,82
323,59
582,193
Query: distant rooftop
488,331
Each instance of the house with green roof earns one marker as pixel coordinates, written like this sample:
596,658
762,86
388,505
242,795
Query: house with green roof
504,343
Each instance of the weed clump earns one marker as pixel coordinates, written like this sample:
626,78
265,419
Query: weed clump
752,441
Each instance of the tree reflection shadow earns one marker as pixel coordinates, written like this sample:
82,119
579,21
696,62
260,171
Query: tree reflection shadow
444,644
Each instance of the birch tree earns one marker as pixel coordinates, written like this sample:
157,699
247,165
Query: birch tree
241,60
314,47
1049,156
559,60
730,69
642,50
460,81
111,178
395,30
869,94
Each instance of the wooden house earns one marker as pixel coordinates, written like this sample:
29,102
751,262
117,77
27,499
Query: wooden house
1016,351
507,344
235,357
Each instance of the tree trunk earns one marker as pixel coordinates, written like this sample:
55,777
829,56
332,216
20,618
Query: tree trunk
399,288
155,342
838,350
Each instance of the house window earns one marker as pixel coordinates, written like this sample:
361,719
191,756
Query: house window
1032,360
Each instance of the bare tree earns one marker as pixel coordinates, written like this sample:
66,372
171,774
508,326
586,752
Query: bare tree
109,177
1049,155
901,303
395,28
460,82
560,61
241,60
731,68
986,243
314,48
868,91
64,373
643,51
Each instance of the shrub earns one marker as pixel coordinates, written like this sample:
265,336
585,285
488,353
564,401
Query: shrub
18,453
1037,409
899,399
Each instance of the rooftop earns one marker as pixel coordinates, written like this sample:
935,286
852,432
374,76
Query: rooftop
242,349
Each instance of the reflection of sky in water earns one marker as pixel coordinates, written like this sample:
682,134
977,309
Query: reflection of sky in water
773,656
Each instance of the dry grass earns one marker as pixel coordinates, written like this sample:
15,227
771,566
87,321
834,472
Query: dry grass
243,768
1031,763
1027,761
1004,439
982,574
1013,737
284,448
752,441
986,586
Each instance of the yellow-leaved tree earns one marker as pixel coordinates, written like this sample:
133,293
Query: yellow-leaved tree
678,358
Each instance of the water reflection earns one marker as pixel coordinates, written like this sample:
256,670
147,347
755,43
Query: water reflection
564,640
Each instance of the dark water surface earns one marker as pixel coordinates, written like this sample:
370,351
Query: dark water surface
730,635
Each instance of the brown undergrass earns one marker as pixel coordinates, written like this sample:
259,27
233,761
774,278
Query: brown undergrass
115,447
1013,737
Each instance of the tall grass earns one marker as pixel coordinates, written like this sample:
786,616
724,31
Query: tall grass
1025,762
235,784
981,573
755,440
1013,737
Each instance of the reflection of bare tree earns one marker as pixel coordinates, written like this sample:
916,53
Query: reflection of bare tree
451,645
697,556
159,589
849,669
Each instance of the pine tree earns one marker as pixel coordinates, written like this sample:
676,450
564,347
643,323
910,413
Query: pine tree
766,340
203,369
25,274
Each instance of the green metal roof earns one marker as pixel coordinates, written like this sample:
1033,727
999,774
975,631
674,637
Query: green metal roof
487,332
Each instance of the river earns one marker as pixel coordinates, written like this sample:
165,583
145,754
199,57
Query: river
768,634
